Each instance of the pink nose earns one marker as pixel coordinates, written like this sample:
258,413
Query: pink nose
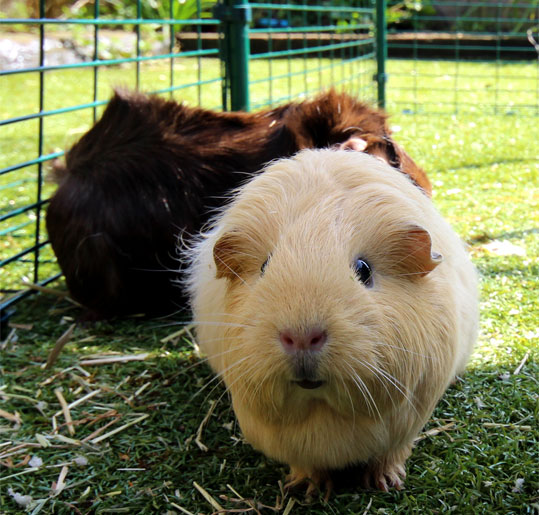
310,340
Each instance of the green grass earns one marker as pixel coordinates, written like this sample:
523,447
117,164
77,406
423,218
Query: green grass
484,171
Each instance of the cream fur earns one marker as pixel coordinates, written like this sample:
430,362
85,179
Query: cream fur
392,349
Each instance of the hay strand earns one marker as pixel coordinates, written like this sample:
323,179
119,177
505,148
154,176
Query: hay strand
59,345
118,429
107,360
65,410
208,497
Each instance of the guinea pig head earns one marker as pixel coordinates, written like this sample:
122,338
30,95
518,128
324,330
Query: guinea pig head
322,265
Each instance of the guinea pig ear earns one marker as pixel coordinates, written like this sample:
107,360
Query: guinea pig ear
354,143
414,255
227,253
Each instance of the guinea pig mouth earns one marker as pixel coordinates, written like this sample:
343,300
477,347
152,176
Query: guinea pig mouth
308,384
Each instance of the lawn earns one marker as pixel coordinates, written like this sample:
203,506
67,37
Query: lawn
157,434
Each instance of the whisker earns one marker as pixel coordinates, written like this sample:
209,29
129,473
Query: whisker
364,389
206,322
393,380
220,375
351,400
233,271
426,356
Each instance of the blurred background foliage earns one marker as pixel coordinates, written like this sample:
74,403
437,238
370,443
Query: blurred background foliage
427,15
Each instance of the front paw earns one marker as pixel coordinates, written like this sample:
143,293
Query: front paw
384,476
316,480
387,471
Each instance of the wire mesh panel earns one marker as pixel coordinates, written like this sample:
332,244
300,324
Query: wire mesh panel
298,49
445,54
57,71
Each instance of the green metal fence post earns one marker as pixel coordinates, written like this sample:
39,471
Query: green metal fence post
236,15
381,51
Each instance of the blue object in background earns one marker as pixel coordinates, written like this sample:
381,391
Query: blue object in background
271,23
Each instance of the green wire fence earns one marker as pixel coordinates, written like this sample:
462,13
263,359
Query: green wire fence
235,54
466,34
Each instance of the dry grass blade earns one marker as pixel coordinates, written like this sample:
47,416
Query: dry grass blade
198,439
25,327
12,418
138,392
118,429
44,289
234,491
101,429
59,345
26,471
183,510
208,497
289,506
522,363
65,410
177,334
115,359
368,507
508,426
42,441
435,431
80,401
60,483
67,440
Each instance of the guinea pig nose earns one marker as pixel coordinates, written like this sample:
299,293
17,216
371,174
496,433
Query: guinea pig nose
310,340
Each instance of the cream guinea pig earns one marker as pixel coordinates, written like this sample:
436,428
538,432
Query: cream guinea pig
337,305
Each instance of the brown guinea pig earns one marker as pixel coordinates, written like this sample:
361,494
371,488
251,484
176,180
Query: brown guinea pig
337,305
151,171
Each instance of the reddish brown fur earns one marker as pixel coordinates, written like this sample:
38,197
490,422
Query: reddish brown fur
151,169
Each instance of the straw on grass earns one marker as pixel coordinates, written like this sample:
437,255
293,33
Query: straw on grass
60,483
435,431
59,345
521,364
74,404
101,429
198,439
65,410
289,506
183,510
118,429
508,426
9,416
115,359
177,334
208,497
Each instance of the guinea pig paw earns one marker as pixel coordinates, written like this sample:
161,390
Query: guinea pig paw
385,477
317,481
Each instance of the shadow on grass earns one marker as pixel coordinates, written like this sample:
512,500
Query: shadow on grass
488,164
509,235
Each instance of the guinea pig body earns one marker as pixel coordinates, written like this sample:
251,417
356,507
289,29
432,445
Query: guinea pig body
152,170
337,305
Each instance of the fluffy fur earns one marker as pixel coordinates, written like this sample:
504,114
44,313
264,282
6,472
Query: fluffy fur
280,258
151,170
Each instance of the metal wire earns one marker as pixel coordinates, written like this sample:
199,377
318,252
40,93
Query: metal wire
464,34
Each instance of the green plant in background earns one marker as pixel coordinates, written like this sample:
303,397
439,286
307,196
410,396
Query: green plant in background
150,9
401,12
182,9
510,16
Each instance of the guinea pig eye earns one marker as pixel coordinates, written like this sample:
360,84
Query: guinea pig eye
264,265
363,272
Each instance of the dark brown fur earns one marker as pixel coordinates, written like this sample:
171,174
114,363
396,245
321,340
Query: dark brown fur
151,170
